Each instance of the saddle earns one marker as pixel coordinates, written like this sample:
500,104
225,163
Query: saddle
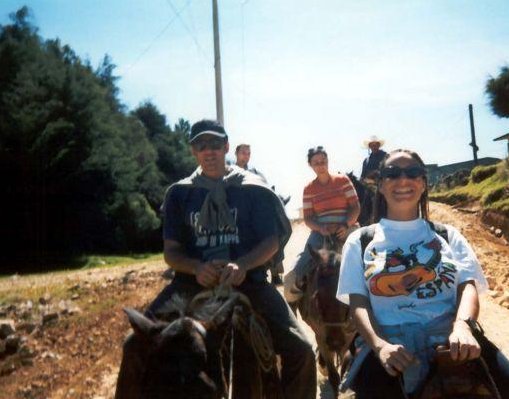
458,379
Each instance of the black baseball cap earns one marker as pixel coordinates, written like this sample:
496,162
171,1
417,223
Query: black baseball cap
207,126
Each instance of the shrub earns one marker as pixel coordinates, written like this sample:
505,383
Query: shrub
480,173
494,195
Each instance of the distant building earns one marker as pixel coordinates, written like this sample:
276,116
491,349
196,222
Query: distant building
504,137
436,172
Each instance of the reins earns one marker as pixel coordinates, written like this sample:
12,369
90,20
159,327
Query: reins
230,373
254,330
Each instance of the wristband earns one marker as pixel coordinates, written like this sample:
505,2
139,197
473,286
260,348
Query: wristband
472,324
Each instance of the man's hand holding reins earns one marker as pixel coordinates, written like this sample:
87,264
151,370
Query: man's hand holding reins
208,274
232,274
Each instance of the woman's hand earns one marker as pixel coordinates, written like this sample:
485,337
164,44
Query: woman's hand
323,230
462,343
342,231
395,358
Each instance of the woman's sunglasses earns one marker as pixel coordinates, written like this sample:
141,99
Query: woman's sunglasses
212,144
394,172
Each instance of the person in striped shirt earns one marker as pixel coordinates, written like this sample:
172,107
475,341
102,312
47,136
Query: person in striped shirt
331,208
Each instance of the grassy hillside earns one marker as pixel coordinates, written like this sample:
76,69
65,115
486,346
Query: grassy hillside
489,185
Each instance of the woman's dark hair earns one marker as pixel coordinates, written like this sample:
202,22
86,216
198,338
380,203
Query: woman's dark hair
380,205
316,150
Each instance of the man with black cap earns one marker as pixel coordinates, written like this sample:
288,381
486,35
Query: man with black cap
222,225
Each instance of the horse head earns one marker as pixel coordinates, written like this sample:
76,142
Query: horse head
332,313
325,261
323,312
182,355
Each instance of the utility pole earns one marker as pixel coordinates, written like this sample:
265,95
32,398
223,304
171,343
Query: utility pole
472,132
217,65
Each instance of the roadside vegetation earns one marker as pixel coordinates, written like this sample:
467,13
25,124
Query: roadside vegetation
57,284
80,172
487,185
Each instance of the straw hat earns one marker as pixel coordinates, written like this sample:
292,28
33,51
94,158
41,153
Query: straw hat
373,139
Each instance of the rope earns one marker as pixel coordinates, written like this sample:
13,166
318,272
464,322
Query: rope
262,343
230,373
402,386
254,330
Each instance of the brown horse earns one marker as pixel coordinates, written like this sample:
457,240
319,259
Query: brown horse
208,348
328,317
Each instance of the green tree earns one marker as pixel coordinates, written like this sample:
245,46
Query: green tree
79,174
174,158
498,93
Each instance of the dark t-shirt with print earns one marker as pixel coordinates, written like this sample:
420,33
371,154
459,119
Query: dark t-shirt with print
251,207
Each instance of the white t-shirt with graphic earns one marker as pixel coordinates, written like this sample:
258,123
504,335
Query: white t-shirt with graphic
409,272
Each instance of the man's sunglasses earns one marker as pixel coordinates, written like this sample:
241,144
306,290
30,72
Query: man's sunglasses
394,172
212,144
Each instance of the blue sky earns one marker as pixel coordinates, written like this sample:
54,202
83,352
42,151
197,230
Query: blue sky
297,74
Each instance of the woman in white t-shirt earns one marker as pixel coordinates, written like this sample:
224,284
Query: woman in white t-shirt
411,289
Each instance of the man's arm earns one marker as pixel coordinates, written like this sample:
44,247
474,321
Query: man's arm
234,273
207,273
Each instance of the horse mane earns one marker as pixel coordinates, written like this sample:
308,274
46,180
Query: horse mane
176,305
207,309
203,307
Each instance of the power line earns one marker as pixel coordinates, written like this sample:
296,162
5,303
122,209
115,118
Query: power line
142,54
193,37
243,60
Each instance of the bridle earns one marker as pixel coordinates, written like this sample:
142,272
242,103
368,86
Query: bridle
254,331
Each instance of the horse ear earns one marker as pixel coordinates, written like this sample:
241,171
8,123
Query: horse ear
314,253
141,325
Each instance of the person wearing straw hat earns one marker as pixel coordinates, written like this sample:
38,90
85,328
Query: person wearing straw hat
376,154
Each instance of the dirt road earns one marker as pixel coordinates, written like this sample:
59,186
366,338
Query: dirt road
76,356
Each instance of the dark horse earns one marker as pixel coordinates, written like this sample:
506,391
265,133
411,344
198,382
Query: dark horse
210,347
366,194
468,379
328,317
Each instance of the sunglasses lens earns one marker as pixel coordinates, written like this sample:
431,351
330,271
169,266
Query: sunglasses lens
394,172
202,145
391,172
414,172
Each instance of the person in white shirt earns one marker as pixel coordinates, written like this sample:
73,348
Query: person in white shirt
410,289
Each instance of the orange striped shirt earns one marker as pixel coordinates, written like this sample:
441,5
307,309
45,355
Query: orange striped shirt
329,203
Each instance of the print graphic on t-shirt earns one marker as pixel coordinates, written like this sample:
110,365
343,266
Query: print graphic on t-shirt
224,236
416,271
